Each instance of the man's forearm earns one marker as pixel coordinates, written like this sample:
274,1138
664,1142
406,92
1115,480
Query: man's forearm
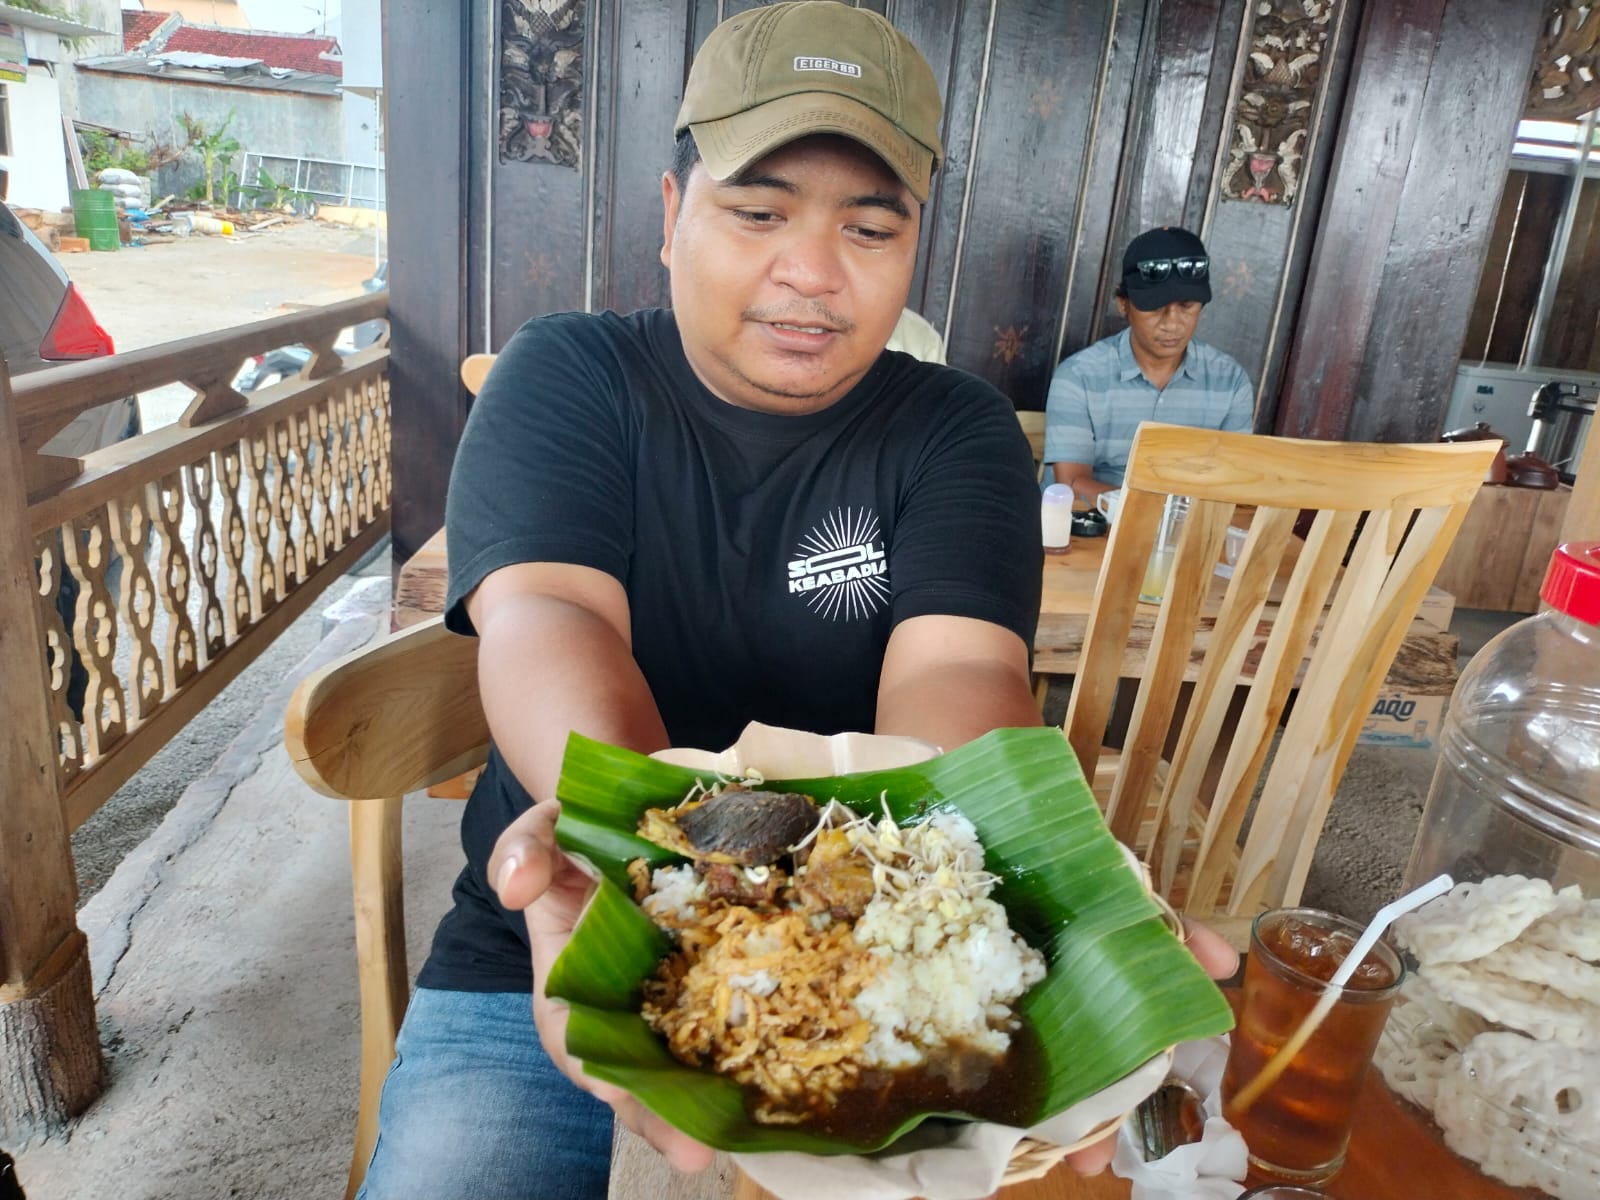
1080,477
546,667
949,705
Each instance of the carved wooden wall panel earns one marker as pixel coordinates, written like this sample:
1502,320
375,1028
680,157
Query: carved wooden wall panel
541,81
1566,66
1260,250
1282,76
1400,243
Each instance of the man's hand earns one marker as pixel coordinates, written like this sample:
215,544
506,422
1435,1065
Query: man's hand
1220,961
1080,478
531,874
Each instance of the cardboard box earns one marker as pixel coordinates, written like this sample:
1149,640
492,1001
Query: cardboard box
1402,719
1437,607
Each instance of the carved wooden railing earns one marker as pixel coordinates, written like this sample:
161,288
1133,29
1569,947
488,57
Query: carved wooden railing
191,547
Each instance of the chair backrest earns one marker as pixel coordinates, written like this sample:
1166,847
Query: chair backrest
392,718
474,370
1326,615
1033,427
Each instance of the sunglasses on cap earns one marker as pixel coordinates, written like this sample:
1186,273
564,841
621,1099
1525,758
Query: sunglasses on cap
1156,270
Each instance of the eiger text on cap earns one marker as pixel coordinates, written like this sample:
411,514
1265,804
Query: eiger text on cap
771,75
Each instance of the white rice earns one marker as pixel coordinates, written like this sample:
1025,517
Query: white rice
950,965
674,893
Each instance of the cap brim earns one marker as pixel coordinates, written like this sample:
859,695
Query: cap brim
1147,297
730,144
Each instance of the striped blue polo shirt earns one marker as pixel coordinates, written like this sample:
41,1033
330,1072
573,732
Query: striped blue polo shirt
1099,395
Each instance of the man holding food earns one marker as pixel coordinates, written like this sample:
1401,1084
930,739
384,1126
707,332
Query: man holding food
665,525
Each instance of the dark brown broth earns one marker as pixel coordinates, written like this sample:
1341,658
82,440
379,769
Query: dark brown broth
1007,1090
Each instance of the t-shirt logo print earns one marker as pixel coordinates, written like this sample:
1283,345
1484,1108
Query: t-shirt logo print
840,567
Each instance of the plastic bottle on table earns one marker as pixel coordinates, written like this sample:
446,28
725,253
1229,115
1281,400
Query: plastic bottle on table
1517,787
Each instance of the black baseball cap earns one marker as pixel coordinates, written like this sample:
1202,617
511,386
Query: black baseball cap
1164,265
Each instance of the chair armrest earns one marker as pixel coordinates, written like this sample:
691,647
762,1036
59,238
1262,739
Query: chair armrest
393,717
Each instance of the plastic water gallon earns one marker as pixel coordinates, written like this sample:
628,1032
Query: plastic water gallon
1517,787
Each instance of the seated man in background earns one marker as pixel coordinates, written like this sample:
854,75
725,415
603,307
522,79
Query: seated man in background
913,334
1153,370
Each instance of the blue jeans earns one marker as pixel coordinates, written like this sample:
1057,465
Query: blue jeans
473,1107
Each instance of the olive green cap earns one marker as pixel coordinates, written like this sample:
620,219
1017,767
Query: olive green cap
768,76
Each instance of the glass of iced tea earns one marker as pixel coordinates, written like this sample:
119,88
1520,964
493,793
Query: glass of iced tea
1298,1129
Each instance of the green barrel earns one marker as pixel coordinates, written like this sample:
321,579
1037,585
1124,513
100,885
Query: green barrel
94,212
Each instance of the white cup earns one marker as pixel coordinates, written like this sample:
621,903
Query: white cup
1055,518
1109,503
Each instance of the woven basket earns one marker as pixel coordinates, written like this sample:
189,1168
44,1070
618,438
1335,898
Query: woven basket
1033,1159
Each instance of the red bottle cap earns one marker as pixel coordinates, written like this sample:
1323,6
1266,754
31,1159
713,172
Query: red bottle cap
1572,584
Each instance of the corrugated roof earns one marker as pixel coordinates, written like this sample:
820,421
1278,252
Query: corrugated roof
189,58
254,76
66,27
138,25
274,49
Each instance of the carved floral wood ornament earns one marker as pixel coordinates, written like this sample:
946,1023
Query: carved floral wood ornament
1270,123
541,78
1566,66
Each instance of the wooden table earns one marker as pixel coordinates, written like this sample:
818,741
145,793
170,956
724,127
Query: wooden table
1425,664
1500,555
1393,1156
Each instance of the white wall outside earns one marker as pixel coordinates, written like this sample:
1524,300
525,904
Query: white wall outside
361,130
97,14
38,163
277,122
361,43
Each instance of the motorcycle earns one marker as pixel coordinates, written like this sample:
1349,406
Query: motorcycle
286,362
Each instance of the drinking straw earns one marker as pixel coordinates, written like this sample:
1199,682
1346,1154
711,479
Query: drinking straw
1279,1062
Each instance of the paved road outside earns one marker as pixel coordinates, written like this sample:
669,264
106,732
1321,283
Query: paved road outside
167,291
158,293
148,295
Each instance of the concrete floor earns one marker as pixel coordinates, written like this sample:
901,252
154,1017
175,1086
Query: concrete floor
224,965
1367,840
224,972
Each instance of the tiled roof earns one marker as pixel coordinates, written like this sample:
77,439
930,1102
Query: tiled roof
138,25
273,49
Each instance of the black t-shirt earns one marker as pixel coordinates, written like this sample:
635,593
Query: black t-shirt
766,558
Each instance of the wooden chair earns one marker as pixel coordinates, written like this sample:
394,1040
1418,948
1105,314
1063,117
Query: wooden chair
1339,621
474,370
1033,426
390,719
397,717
